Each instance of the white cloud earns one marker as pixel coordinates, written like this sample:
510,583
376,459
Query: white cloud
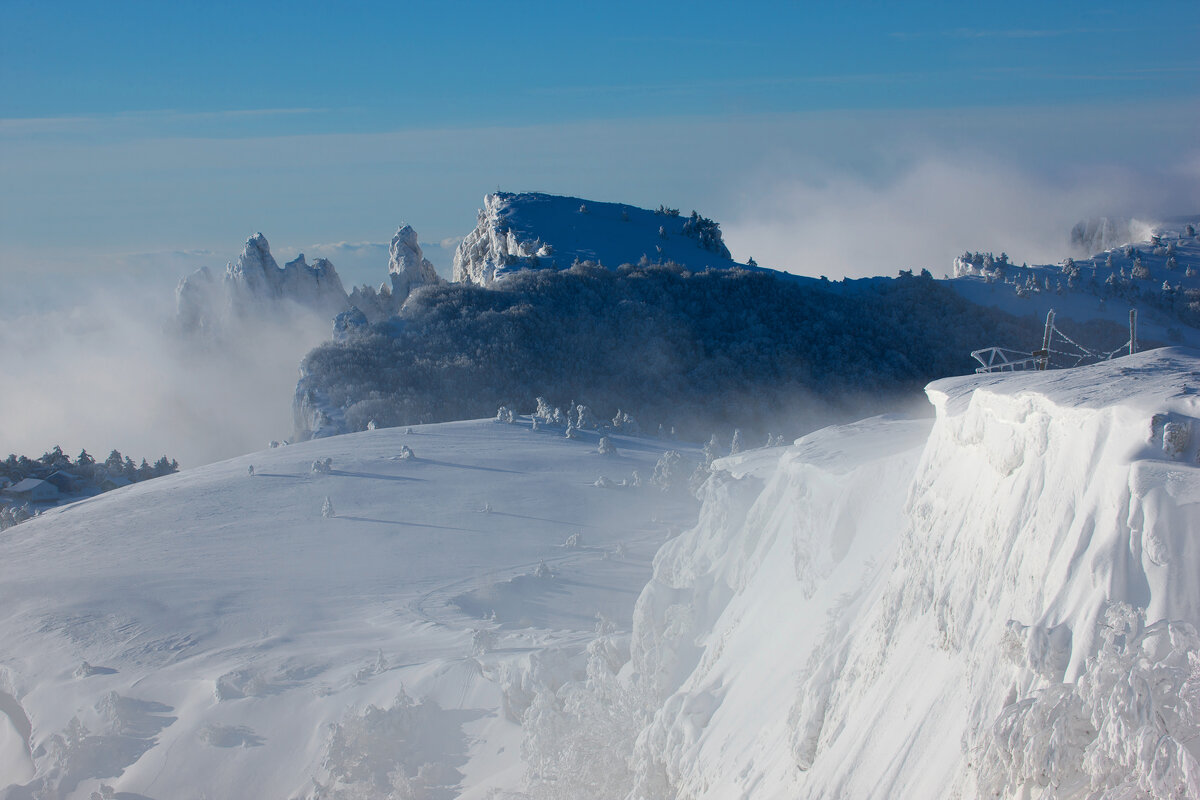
930,211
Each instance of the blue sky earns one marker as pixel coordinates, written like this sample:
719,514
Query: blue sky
149,137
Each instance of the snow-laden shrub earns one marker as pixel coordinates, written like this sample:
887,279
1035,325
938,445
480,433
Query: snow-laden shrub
505,414
703,350
625,423
671,471
407,751
1122,731
322,467
1175,439
712,450
585,418
606,447
578,735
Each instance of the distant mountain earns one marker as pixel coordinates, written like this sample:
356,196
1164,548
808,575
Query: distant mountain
631,309
256,286
542,231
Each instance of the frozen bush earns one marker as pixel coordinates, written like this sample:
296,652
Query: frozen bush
606,447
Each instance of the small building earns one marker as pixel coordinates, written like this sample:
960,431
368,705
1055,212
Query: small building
33,490
110,482
66,482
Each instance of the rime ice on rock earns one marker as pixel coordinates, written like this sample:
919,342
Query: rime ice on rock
408,269
541,231
254,285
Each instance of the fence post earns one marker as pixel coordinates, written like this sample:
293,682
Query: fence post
1043,355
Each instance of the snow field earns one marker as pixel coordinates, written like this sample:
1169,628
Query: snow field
240,644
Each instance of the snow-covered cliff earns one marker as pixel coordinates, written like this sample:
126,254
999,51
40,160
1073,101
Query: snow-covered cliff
1007,608
541,231
408,269
255,285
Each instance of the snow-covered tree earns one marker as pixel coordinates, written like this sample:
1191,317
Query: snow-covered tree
712,450
327,508
606,447
736,447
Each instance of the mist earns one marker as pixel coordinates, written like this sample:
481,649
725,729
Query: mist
923,214
111,373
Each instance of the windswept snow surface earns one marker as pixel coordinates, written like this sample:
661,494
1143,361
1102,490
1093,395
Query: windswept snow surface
1005,608
1000,602
211,634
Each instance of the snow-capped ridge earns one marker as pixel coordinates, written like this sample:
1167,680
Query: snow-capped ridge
532,230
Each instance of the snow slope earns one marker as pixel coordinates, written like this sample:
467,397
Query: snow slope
1161,280
1006,608
211,634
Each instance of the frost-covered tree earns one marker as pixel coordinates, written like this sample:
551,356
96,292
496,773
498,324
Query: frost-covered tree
670,471
606,447
736,446
505,414
712,450
327,508
585,419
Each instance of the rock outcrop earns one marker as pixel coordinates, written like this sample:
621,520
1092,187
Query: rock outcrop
541,231
408,269
255,285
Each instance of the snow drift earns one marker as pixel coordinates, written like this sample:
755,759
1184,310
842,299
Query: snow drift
1004,609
